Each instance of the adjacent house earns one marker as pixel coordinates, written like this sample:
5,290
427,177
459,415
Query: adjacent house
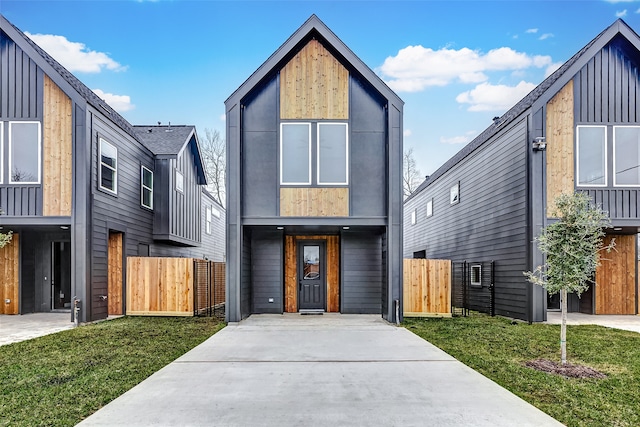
314,194
82,189
579,130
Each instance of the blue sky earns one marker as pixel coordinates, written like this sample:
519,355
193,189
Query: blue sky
456,64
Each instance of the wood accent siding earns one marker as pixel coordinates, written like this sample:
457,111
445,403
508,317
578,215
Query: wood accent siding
559,154
57,148
427,287
114,287
10,276
317,202
332,272
159,286
314,85
616,277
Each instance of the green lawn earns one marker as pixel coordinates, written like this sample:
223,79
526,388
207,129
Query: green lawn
498,348
59,379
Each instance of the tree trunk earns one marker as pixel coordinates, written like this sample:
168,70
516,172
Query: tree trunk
563,327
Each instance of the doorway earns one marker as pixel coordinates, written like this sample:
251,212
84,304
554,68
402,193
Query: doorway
312,283
61,276
115,274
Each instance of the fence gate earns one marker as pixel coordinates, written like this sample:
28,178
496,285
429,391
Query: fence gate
472,287
209,284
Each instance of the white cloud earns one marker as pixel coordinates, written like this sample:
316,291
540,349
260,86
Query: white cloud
545,36
120,103
223,117
74,56
531,31
488,97
415,68
551,68
460,139
638,11
406,133
620,1
621,13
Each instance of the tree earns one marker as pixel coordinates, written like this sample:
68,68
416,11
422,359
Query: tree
214,156
411,177
572,246
5,238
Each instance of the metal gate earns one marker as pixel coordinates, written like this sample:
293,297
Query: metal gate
209,286
472,287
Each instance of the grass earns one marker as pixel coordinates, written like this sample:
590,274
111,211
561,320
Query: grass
60,379
498,348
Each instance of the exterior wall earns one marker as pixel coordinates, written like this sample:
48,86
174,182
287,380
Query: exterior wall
267,264
488,223
362,273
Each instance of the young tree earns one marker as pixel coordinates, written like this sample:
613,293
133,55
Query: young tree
411,177
5,238
214,156
572,246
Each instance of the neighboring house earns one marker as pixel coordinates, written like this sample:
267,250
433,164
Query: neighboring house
314,192
82,190
578,130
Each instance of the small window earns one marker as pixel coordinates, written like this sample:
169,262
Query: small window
295,153
179,181
333,154
24,153
592,156
420,254
208,220
454,194
476,275
413,217
146,188
108,167
430,207
626,155
215,212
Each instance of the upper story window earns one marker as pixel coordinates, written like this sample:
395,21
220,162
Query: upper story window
295,153
179,181
208,220
592,156
146,188
626,155
333,154
414,217
454,194
108,167
430,207
25,154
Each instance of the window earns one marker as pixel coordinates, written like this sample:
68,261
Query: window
208,220
108,167
626,155
295,153
420,254
146,188
179,181
430,207
215,212
333,153
454,194
413,217
592,156
476,275
24,152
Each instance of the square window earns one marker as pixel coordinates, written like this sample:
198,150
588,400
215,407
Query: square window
592,156
108,171
333,154
476,275
430,207
146,188
295,153
454,194
24,152
179,181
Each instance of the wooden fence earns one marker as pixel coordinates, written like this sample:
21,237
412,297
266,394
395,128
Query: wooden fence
427,288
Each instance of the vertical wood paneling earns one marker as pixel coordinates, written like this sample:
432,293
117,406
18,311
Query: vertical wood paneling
559,154
314,85
56,154
427,287
314,201
332,273
10,276
114,286
616,277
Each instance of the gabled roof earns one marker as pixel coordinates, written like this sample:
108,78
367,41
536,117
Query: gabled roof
544,90
313,27
87,94
168,141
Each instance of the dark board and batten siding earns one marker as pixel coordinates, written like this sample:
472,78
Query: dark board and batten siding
489,222
245,274
267,272
362,270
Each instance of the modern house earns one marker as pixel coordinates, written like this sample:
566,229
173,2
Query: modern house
82,189
579,130
314,194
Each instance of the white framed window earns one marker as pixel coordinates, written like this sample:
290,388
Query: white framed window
295,153
430,207
591,147
215,212
475,274
207,216
25,152
108,170
626,156
333,154
146,187
454,194
179,181
1,152
413,217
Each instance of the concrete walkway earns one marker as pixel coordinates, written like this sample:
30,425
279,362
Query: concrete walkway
17,328
333,370
626,322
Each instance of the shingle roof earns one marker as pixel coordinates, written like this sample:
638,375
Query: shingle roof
164,139
515,111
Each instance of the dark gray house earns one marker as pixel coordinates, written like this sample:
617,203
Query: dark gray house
82,189
578,130
314,162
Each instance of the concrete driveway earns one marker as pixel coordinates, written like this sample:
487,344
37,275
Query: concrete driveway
334,370
16,328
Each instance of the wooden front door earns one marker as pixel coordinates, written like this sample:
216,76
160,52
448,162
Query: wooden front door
312,283
616,277
114,288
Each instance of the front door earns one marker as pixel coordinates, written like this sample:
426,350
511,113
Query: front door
312,287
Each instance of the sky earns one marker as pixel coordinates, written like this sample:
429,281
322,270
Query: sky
456,64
